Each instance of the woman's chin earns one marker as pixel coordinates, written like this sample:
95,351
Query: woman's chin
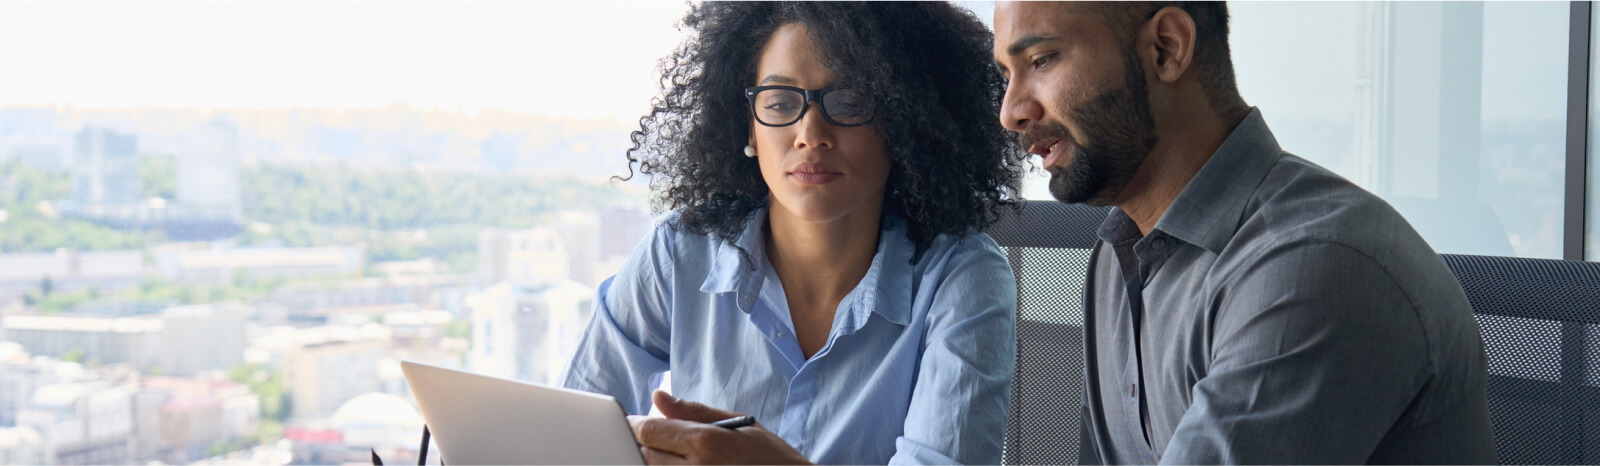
810,209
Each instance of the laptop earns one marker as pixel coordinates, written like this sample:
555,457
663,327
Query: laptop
478,419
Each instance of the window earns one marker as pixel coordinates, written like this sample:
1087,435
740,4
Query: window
1452,112
302,195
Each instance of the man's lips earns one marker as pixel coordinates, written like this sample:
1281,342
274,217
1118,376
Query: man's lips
1050,149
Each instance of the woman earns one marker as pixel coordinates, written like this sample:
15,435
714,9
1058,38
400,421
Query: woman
828,166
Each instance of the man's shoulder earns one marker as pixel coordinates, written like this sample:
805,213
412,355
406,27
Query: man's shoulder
1301,204
1308,219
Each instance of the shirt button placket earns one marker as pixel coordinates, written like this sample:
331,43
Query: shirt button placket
802,389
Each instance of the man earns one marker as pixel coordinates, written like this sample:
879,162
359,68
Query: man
1245,305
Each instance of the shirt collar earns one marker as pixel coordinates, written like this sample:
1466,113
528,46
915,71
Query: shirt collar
888,279
885,289
730,270
1207,212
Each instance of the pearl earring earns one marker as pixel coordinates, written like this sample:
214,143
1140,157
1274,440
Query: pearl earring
749,151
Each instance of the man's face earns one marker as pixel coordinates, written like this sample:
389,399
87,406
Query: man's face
1076,96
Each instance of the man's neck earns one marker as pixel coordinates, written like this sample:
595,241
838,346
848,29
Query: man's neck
1181,150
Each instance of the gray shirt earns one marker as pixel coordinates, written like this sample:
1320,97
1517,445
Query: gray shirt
1277,313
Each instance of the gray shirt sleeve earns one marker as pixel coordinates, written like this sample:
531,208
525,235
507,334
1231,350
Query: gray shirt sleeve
1316,351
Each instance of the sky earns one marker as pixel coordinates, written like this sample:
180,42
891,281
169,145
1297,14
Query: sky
1300,62
574,59
565,59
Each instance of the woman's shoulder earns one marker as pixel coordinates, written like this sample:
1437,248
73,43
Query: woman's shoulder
671,233
971,258
961,276
973,246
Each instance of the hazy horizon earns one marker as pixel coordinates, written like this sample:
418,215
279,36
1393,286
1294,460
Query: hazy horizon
528,58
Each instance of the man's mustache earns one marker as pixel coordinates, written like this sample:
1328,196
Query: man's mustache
1044,130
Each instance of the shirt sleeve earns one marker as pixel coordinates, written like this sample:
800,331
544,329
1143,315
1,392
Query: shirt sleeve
624,350
1317,352
959,405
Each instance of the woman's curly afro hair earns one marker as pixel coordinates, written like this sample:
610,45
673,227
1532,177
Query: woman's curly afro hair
926,65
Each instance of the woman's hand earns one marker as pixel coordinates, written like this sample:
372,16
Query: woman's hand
686,436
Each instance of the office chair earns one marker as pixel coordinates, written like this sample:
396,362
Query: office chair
1048,246
1541,328
1540,321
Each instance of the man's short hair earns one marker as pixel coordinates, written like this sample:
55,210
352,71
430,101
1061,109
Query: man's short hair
1212,57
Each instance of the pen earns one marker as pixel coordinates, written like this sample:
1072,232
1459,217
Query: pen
737,422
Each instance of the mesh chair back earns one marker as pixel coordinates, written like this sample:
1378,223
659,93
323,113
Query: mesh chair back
1048,244
1539,319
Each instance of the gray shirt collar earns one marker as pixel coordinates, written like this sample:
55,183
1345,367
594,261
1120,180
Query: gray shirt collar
1208,210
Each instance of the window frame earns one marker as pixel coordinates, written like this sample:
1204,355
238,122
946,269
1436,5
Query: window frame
1575,205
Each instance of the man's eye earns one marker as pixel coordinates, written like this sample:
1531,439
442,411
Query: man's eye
1043,60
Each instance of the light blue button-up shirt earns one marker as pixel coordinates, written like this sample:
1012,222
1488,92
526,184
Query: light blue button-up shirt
916,369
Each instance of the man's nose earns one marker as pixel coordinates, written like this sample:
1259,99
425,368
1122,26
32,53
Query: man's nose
1019,110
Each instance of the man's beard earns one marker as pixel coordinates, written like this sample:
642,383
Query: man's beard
1119,132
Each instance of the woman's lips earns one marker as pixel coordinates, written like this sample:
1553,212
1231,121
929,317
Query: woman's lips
815,177
814,173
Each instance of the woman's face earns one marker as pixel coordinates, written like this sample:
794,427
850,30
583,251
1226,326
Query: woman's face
817,172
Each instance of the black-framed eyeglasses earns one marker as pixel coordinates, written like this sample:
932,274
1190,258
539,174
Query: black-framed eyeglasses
784,105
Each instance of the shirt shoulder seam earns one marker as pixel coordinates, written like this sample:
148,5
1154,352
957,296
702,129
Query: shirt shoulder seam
1411,301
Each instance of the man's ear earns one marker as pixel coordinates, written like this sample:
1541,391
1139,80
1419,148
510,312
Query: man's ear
1171,33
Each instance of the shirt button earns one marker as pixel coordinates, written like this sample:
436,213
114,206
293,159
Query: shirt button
1159,244
777,334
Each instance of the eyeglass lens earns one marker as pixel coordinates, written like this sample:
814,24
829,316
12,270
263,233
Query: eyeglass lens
779,107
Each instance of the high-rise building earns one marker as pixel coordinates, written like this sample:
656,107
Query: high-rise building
83,423
135,341
179,341
208,172
105,169
581,235
179,419
23,445
68,271
226,265
528,331
202,338
320,376
622,229
34,136
22,374
524,256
